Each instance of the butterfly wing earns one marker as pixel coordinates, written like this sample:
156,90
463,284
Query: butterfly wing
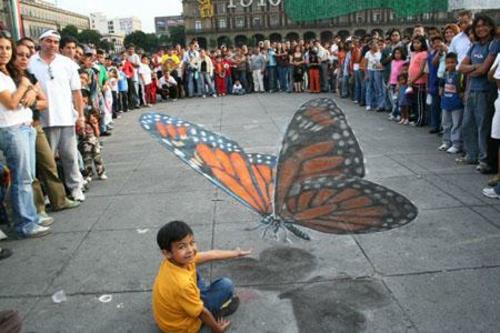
246,177
346,206
318,142
318,182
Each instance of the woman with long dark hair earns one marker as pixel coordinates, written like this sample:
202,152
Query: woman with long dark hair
17,140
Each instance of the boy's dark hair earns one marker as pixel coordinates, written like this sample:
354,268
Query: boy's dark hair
100,52
437,37
173,231
452,55
67,40
85,92
27,39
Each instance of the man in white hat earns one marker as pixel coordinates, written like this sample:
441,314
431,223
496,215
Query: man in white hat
60,81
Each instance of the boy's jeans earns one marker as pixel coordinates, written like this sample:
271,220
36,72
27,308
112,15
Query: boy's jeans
452,127
18,146
283,77
358,81
216,294
476,125
375,90
207,84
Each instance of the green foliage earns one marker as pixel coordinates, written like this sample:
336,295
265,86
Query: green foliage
69,30
178,35
309,10
89,37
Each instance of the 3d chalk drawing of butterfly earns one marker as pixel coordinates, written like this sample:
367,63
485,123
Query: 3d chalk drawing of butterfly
315,182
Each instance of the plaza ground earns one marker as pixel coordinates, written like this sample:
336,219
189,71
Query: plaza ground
440,273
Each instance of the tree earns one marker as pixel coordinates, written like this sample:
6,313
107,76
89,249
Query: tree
178,35
90,37
69,31
137,38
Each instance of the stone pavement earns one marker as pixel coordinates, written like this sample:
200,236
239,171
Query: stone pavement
440,273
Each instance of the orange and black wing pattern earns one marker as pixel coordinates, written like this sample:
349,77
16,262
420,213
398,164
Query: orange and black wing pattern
246,177
318,143
319,174
350,206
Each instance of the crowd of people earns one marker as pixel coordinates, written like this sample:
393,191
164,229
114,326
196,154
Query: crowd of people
59,97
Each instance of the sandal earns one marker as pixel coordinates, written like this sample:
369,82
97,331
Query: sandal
228,308
494,180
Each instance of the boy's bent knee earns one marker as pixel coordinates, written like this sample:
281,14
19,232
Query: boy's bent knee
226,284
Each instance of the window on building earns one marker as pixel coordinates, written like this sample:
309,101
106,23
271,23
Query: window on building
257,21
197,25
239,22
274,20
360,19
221,8
222,23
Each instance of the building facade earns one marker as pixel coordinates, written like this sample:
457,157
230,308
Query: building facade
117,26
237,22
38,16
163,24
116,40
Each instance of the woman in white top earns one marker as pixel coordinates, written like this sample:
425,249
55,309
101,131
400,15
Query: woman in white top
17,140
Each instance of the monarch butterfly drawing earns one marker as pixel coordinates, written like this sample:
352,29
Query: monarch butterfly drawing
315,182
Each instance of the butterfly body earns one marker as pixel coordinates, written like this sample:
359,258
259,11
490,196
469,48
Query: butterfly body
316,181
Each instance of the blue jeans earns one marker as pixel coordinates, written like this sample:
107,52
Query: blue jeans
290,79
476,124
18,145
452,124
207,84
358,85
344,86
216,294
193,79
271,70
283,77
375,97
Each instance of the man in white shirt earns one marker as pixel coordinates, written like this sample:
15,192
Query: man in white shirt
133,96
59,79
461,43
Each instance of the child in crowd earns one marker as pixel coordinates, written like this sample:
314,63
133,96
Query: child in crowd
88,141
113,83
451,91
167,87
145,80
122,90
238,88
181,300
404,99
220,75
397,62
417,78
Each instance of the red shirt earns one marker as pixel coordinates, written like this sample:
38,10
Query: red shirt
128,69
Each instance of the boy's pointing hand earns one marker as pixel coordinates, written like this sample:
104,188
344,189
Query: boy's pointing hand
242,253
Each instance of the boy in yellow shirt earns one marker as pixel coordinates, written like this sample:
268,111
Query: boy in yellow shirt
181,301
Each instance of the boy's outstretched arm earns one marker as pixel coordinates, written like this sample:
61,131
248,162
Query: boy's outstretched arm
221,255
216,326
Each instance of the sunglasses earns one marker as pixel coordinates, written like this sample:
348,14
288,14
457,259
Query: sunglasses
5,34
51,74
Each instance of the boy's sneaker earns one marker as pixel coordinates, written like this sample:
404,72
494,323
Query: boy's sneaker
368,108
44,219
36,231
412,123
398,118
228,308
465,161
490,193
483,168
78,195
453,150
443,147
391,117
494,180
102,176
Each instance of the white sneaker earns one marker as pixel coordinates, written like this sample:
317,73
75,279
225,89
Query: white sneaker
102,177
490,193
78,195
368,108
36,231
391,117
443,147
453,150
44,220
